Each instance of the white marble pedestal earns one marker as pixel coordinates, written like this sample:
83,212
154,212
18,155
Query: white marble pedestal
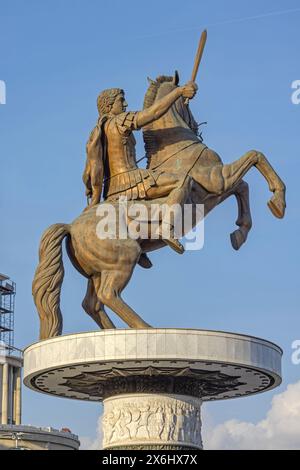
158,421
152,381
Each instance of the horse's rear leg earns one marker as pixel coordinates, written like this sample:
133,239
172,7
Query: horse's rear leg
244,220
109,289
94,307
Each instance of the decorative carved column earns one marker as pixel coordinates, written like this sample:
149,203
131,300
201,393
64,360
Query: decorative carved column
152,421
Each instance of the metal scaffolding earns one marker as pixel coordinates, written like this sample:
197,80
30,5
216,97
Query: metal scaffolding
7,306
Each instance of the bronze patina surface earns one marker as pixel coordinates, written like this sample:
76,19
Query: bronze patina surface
181,170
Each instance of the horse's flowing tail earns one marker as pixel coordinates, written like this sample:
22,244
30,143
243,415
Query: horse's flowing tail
48,279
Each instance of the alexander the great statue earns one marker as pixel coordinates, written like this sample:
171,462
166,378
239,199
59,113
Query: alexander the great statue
180,166
111,164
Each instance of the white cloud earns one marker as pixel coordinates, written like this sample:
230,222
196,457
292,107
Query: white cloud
88,443
279,430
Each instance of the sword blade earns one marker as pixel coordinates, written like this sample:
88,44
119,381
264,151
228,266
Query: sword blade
198,58
199,54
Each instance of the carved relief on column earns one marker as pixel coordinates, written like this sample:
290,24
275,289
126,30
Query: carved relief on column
159,420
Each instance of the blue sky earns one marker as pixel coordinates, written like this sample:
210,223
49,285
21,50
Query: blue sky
55,58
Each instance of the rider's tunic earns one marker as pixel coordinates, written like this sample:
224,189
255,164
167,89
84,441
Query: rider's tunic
122,176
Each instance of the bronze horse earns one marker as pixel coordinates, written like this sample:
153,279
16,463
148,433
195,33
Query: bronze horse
171,143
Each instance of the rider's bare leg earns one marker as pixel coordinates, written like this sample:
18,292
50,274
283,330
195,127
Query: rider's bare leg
168,184
177,191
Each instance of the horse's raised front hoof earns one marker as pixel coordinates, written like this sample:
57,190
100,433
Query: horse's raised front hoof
144,261
237,239
277,204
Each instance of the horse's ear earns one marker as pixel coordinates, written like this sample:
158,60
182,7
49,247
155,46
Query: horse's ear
176,78
151,82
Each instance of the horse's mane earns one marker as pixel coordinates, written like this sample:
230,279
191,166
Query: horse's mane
153,88
149,99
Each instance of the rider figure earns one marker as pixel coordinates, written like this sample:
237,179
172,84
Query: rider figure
111,160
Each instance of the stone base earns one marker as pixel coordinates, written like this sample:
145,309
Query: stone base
152,381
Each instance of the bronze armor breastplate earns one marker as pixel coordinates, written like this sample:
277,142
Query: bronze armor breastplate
121,156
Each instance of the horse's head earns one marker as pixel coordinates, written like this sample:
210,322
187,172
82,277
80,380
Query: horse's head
175,129
161,87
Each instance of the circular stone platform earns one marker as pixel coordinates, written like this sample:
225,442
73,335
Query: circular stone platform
215,365
152,381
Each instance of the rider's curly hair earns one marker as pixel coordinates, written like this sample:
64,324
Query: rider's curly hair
106,99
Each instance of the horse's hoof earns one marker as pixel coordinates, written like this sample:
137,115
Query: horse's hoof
237,238
144,261
277,204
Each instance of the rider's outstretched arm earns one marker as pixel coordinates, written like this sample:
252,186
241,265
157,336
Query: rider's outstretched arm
161,106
